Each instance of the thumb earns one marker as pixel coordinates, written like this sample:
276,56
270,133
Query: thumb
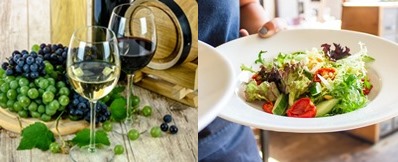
243,33
271,27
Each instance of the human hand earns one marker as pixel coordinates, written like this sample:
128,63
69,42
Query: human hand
268,29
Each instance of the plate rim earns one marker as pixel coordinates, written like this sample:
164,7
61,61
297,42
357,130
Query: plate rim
213,111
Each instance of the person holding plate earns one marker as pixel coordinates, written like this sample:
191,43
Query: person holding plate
221,21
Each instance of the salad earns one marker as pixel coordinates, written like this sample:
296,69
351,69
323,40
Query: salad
312,83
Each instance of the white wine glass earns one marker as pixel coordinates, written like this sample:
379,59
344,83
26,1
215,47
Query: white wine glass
93,69
135,29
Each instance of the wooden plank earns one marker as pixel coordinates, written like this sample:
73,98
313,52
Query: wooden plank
66,16
166,89
13,26
39,22
183,75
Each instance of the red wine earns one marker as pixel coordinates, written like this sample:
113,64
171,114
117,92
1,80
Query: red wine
135,53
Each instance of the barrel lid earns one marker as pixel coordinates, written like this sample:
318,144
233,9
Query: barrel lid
174,32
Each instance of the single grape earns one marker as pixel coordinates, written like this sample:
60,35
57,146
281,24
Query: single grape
10,104
4,65
34,114
23,113
173,129
35,47
32,106
64,91
146,111
156,132
54,105
63,100
26,68
135,100
107,126
34,67
24,101
133,134
52,89
50,112
60,84
119,149
24,90
55,147
41,109
14,84
47,97
23,82
30,60
167,118
43,83
5,87
33,93
49,68
164,127
17,106
12,94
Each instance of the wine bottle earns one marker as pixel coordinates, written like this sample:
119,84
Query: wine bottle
102,10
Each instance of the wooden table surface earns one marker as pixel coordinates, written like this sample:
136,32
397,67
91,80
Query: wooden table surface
174,148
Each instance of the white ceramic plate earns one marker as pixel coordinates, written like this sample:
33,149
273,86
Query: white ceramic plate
215,82
384,76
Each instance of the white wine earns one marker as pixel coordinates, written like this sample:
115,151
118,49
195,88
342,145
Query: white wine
93,79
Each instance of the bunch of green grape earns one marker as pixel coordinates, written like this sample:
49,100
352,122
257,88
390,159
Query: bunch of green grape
43,98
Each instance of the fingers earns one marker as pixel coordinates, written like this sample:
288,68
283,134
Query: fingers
272,27
243,33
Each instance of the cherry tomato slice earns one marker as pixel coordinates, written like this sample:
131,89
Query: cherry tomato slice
268,106
302,108
325,73
367,86
257,78
366,90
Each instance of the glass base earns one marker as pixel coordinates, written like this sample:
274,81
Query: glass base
84,154
123,127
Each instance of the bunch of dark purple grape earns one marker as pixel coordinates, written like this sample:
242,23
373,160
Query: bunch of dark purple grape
54,53
31,65
79,109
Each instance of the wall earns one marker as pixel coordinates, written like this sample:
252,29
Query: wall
28,22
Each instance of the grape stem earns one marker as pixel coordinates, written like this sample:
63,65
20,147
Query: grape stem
20,123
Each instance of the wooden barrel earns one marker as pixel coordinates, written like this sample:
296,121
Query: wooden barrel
177,26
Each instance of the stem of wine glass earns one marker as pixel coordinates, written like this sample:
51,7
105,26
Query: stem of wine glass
130,84
91,147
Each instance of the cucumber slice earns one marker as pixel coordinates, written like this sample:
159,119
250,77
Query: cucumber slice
325,106
280,105
315,89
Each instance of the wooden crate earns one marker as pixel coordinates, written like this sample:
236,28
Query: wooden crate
179,83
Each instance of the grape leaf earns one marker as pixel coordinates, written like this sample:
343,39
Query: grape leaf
36,135
118,89
82,138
